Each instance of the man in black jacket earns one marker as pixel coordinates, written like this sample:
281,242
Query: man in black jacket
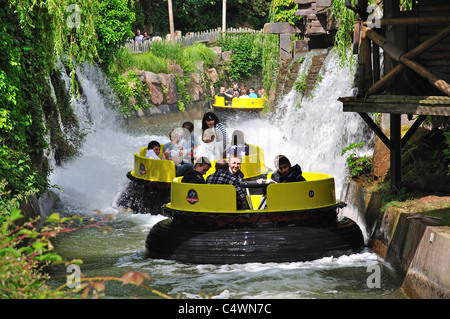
195,176
285,172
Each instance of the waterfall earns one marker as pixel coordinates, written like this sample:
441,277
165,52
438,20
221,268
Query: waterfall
310,130
90,181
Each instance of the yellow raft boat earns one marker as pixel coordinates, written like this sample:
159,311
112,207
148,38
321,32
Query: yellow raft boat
239,104
291,222
150,179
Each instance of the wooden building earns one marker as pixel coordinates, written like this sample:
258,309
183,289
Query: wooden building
318,28
416,64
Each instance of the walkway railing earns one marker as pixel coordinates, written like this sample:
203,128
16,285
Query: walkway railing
211,36
190,38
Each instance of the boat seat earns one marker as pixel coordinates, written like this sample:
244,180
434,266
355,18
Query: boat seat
301,195
203,197
153,170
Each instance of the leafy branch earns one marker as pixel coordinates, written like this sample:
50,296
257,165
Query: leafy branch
358,164
25,251
97,286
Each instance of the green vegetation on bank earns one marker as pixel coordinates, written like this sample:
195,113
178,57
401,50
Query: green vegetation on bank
425,174
162,58
347,19
34,38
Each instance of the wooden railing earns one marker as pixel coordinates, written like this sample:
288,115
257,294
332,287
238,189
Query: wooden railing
190,38
211,36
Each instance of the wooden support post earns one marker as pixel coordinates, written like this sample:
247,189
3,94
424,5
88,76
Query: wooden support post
411,54
413,129
396,150
366,61
376,129
224,18
172,29
376,62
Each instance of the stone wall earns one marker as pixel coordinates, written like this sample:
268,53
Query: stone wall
163,87
413,244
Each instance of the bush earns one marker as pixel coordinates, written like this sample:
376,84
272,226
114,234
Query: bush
25,251
23,254
161,59
357,164
246,59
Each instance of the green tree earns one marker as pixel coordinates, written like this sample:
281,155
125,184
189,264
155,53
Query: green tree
113,27
246,59
200,15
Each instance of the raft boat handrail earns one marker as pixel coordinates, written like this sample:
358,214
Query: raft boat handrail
252,165
152,169
208,198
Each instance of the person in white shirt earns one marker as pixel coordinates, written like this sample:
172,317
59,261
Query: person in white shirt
243,94
156,38
175,152
153,150
189,141
139,37
210,148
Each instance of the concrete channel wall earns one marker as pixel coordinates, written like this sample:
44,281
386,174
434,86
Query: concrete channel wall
412,243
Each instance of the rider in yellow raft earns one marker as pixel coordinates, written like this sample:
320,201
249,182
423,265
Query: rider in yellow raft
286,173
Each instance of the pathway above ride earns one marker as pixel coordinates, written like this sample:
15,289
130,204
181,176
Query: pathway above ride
290,222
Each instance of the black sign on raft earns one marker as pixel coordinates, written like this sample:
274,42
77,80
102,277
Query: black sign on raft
192,197
142,170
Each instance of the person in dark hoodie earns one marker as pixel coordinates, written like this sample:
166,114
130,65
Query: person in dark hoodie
285,172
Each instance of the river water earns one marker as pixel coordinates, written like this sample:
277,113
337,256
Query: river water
309,130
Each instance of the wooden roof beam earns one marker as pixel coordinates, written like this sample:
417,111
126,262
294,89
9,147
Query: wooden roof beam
410,20
411,54
398,104
399,56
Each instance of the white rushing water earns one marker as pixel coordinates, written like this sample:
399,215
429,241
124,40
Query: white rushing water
312,130
311,135
91,180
